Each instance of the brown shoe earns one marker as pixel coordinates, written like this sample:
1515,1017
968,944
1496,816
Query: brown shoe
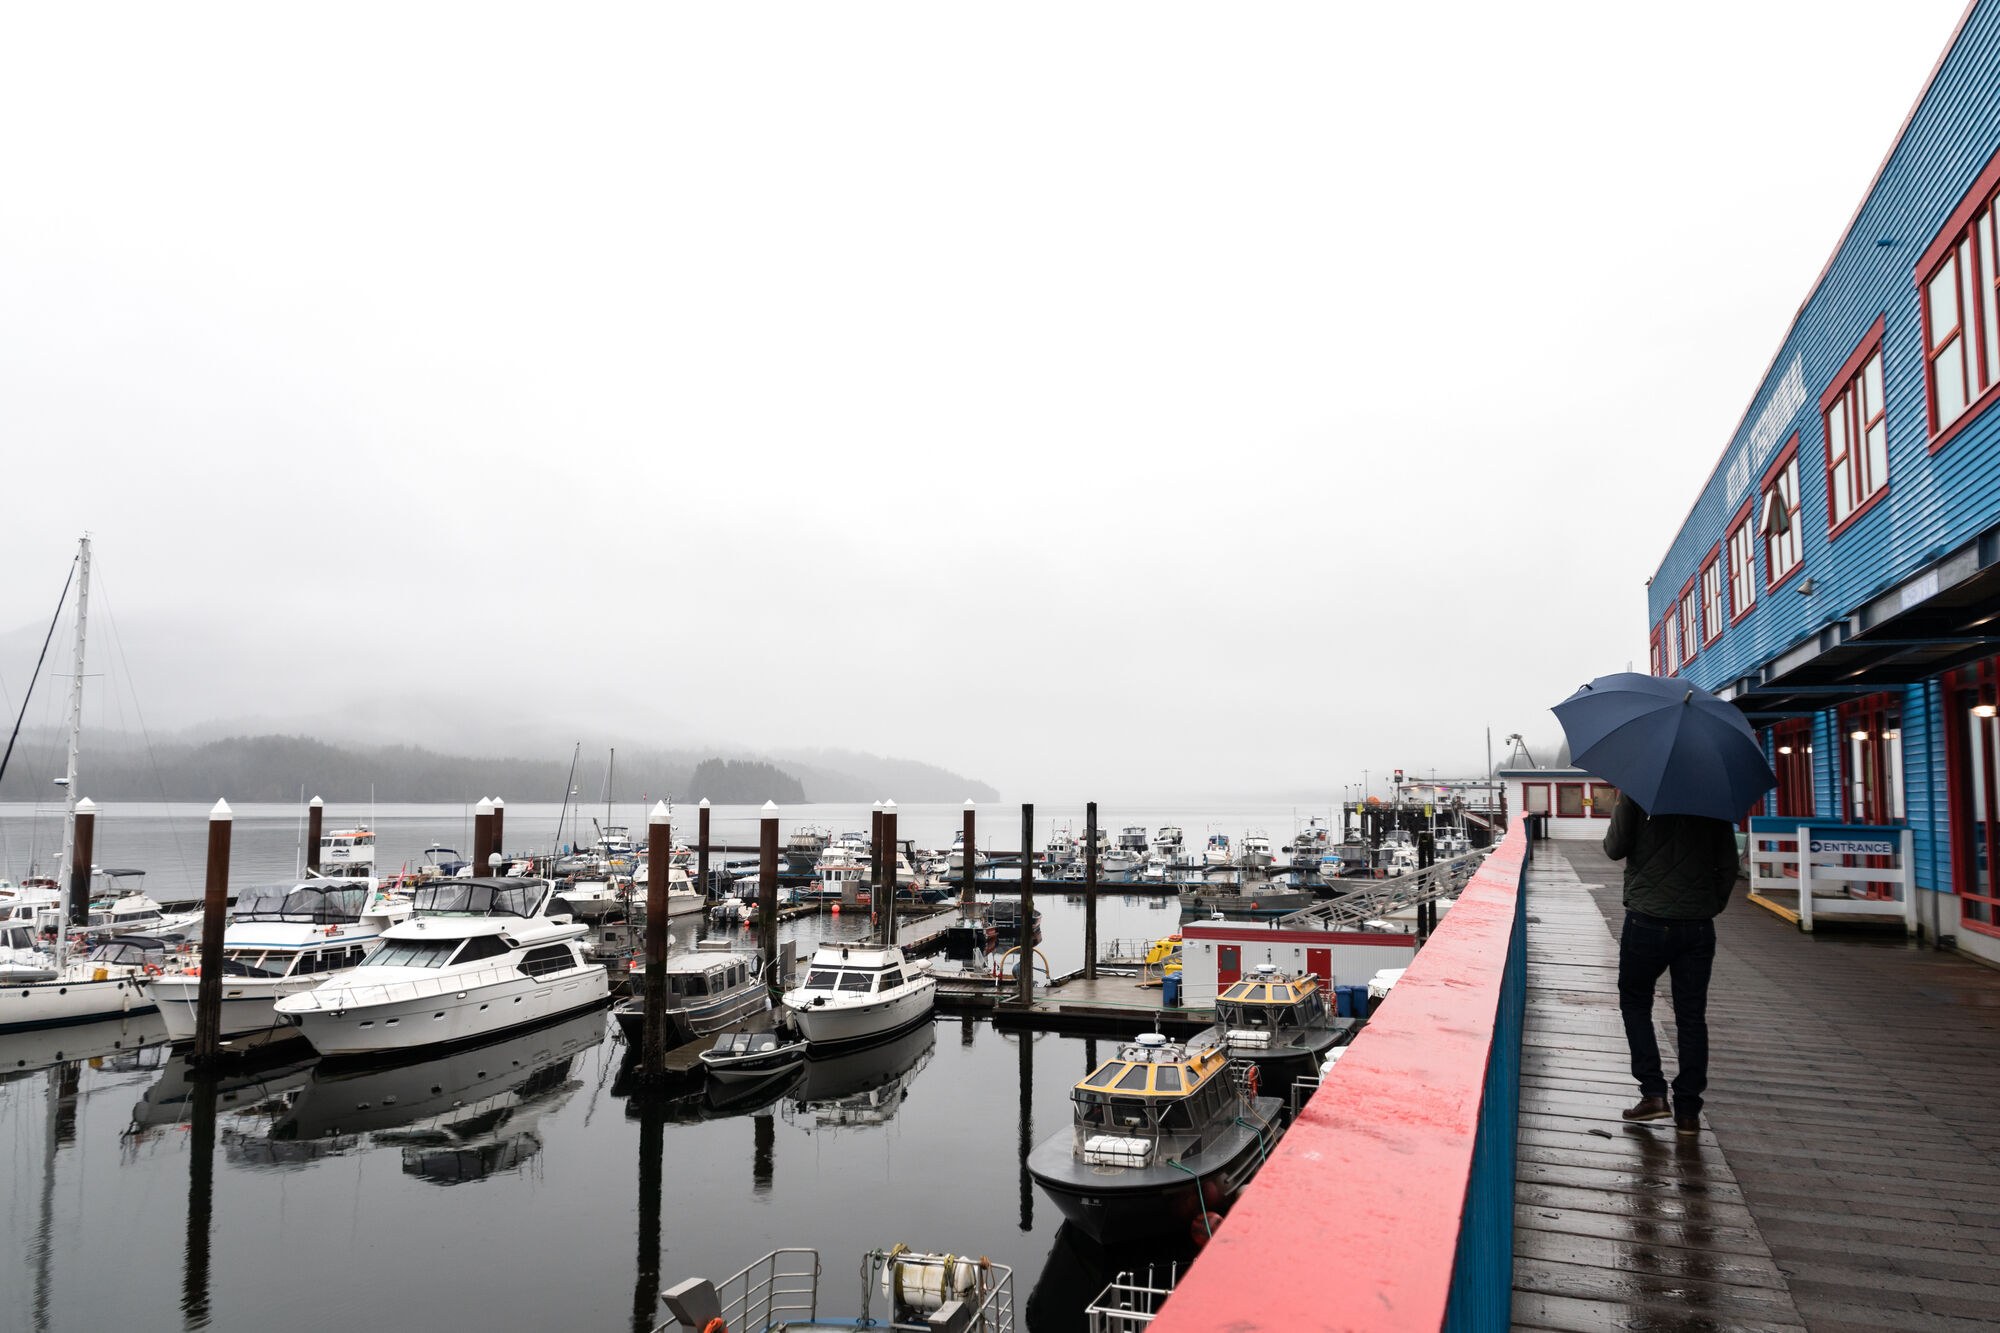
1649,1108
1687,1126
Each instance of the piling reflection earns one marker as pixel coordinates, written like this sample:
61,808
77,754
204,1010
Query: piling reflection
763,1156
646,1284
1078,1268
201,1203
1026,1123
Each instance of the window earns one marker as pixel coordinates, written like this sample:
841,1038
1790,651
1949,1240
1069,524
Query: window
1167,1079
1659,653
1603,800
1714,614
1742,566
1857,433
539,962
1569,800
1670,635
1690,623
1534,798
482,946
859,982
412,953
1778,517
821,979
1961,316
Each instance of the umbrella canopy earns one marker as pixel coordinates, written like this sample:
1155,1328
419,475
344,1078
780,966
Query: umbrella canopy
1673,747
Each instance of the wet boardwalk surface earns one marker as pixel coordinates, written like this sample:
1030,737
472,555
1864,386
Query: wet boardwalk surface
1848,1172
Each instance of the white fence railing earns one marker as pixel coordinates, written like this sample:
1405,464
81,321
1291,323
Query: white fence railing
1828,866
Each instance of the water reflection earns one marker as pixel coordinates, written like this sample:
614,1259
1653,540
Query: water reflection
860,1088
1025,1121
115,1042
1078,1268
201,1203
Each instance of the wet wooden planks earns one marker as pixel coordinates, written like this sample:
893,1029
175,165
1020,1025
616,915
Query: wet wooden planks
1616,1225
1854,1081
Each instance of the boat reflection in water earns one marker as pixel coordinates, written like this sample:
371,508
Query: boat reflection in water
1077,1269
113,1039
861,1087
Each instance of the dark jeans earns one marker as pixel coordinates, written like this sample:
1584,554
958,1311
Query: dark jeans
1647,947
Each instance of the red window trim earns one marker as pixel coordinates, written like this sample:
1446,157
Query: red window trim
1942,247
1657,653
1714,557
1548,800
1786,456
1743,515
1836,389
1691,588
1583,789
1599,809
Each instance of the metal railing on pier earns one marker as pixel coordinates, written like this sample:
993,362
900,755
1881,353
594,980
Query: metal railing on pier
1378,898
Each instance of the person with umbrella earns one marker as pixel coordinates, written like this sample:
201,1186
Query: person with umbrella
1687,766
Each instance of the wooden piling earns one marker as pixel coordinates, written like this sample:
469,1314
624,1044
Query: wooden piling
315,818
701,853
659,859
215,901
482,836
968,899
1090,891
1024,958
875,858
889,874
767,891
83,850
499,830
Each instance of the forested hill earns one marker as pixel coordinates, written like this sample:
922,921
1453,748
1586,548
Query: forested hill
278,768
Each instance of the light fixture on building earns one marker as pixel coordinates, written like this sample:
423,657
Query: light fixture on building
1857,735
1784,749
1984,710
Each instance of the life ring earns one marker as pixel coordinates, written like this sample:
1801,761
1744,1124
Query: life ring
715,1325
151,969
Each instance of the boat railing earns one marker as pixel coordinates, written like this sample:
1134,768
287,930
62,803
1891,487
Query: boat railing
1127,1303
416,988
784,1283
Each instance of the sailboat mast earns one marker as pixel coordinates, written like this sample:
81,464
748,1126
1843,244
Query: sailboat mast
75,734
610,772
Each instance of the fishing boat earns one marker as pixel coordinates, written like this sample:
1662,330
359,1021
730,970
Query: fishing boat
1123,861
1258,898
804,845
1165,1134
477,957
1217,852
1255,849
856,993
1281,1023
281,939
917,1291
711,988
1061,848
955,861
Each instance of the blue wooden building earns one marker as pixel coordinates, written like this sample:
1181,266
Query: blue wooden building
1838,575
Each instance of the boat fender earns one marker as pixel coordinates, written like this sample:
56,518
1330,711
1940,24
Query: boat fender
1250,1080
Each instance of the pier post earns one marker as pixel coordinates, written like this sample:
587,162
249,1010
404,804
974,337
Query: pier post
83,849
315,818
1090,891
659,858
767,890
875,858
889,872
482,836
1024,960
499,830
701,854
968,895
215,899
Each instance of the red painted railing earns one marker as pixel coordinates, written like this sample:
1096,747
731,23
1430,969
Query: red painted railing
1356,1221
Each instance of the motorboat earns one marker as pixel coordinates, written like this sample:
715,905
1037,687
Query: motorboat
1398,854
125,909
1311,843
855,993
1164,1134
347,853
1254,853
1217,852
104,983
1280,1024
751,1057
22,956
442,860
1257,898
805,843
477,957
1004,916
955,861
1061,848
710,988
1123,861
917,1291
281,939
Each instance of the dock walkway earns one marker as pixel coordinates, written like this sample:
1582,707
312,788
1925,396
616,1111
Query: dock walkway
1848,1172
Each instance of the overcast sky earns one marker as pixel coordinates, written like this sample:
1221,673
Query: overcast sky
1121,401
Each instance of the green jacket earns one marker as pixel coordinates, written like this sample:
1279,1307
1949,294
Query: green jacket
1682,867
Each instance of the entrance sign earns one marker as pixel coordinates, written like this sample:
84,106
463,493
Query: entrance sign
1844,870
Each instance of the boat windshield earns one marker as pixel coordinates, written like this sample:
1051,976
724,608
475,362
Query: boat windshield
476,897
320,905
412,953
257,962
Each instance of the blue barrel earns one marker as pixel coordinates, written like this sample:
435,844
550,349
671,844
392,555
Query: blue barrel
1343,1001
1170,990
1357,1005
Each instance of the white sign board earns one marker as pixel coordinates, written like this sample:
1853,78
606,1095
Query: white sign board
1855,846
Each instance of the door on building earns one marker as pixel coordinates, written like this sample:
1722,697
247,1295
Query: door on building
1872,786
1792,739
1228,963
1972,758
1319,962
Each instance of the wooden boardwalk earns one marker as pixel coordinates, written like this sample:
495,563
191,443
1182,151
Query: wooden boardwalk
1848,1172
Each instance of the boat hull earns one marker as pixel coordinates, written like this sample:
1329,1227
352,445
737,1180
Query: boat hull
51,1004
447,1017
1113,1205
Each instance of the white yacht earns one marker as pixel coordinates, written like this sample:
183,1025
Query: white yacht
1124,860
1255,849
682,898
1062,846
955,863
347,853
281,939
477,957
856,993
43,990
1218,851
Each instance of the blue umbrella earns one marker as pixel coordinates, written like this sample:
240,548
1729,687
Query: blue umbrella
1673,747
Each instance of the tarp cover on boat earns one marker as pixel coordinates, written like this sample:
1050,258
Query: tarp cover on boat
481,897
322,905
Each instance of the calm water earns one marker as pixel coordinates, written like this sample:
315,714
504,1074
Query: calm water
518,1185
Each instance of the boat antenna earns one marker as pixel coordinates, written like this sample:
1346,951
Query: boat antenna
75,734
299,847
569,786
46,639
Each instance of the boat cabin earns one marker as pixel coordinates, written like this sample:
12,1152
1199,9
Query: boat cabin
338,902
1269,1002
347,847
274,961
131,951
703,974
856,972
1154,1095
481,897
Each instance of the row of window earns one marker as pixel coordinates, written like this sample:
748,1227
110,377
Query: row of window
1572,800
1959,280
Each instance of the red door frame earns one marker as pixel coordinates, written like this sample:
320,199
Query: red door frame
1319,962
1228,963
